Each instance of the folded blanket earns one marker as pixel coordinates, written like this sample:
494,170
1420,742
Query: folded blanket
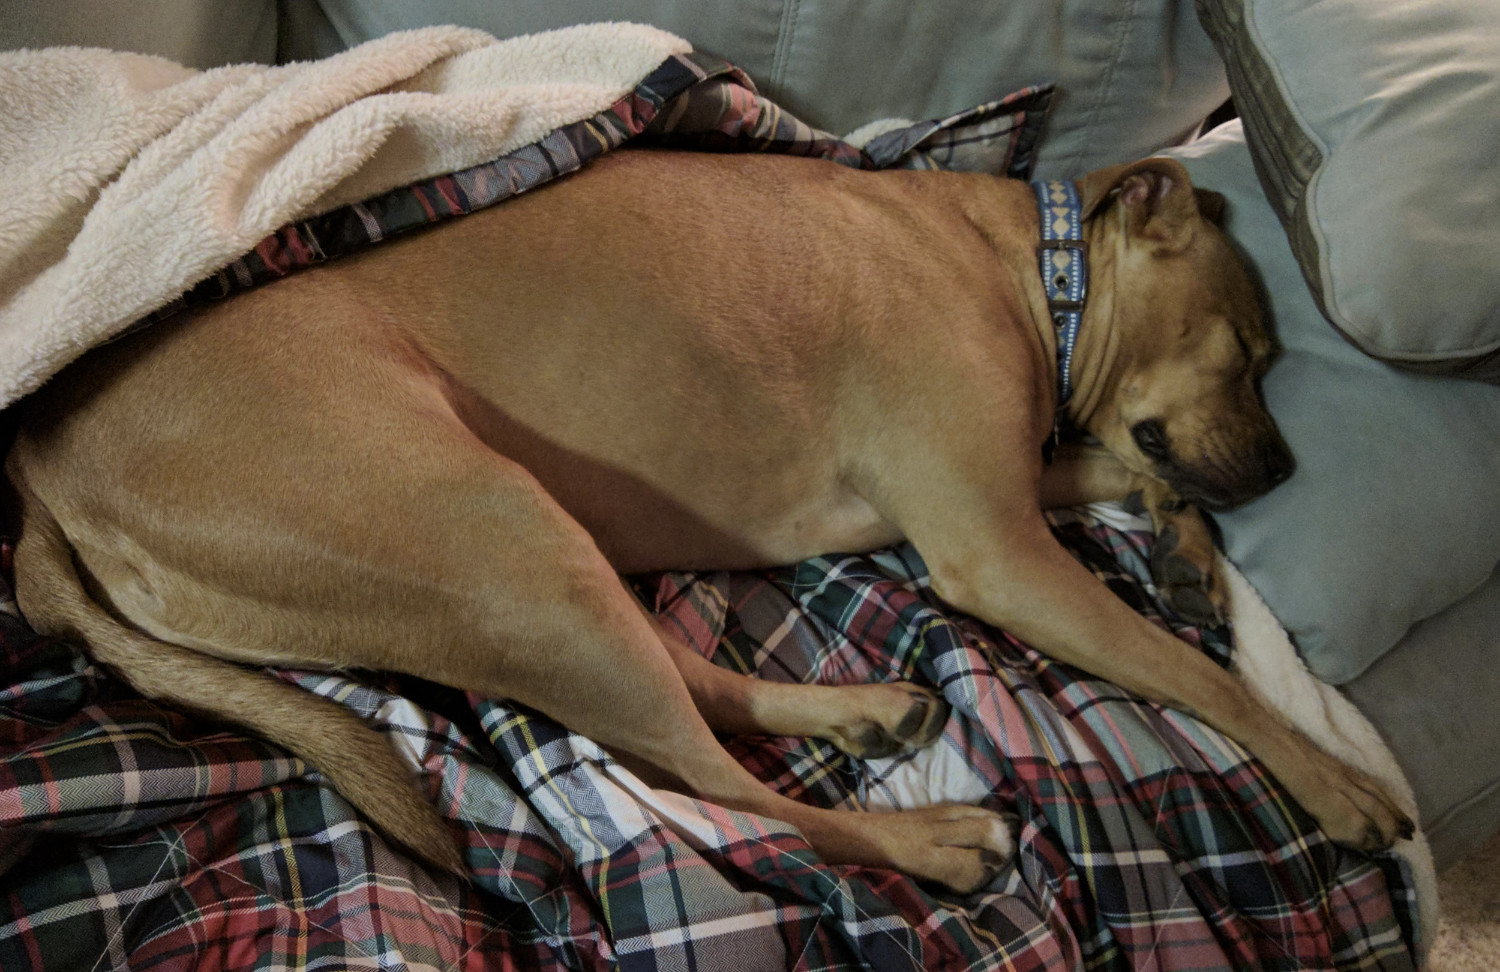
137,181
128,179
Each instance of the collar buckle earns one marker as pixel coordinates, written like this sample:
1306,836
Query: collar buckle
1082,246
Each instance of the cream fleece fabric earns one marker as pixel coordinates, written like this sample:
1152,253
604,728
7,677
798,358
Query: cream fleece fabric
1265,658
128,178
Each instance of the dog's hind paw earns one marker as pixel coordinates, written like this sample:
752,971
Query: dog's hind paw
887,720
961,847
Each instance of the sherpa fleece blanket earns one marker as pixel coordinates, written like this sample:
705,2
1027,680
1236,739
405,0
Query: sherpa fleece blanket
134,837
112,161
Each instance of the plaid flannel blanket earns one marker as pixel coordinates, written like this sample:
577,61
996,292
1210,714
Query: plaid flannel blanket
132,837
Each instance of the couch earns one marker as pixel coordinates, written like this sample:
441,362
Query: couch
1359,186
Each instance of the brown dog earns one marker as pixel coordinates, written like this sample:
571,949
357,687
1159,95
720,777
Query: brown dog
434,458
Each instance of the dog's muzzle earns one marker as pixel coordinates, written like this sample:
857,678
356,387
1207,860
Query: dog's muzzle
1217,481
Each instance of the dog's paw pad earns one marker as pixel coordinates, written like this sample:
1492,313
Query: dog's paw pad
1194,606
871,741
1186,586
1199,604
1178,571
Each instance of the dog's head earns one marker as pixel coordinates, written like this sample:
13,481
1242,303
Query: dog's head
1187,339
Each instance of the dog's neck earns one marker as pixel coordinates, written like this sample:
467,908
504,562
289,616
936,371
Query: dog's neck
1008,217
1096,354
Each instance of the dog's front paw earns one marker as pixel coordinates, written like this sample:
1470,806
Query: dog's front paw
1185,579
1353,808
1182,565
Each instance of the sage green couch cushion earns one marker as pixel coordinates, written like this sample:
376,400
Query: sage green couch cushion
1433,699
1391,515
1131,77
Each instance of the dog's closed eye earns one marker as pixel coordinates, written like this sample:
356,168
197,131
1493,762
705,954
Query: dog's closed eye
1151,438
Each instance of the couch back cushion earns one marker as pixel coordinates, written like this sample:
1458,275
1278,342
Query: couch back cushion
197,33
1374,127
1131,77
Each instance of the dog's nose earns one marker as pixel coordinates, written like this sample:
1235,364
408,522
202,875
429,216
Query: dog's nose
1279,463
1151,438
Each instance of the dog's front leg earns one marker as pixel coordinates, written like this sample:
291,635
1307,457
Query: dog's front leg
991,554
1080,473
1182,558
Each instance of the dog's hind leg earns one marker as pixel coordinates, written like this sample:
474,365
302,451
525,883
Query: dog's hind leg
360,764
558,631
867,721
546,621
371,529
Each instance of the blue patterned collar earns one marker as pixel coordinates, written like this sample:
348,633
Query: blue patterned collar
1063,256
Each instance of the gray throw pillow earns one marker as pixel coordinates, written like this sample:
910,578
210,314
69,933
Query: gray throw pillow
1374,125
196,33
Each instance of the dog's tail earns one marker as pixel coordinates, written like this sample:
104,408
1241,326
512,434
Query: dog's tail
360,764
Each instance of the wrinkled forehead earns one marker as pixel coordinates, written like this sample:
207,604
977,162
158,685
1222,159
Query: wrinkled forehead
1232,291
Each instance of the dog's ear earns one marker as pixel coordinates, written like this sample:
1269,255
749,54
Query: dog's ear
1155,194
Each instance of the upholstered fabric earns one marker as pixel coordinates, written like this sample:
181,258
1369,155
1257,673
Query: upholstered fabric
1131,76
1433,698
196,33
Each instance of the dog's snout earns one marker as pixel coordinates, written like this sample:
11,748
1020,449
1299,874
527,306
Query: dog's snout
1279,463
1151,438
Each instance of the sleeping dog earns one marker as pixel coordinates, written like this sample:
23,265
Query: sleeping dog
438,456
